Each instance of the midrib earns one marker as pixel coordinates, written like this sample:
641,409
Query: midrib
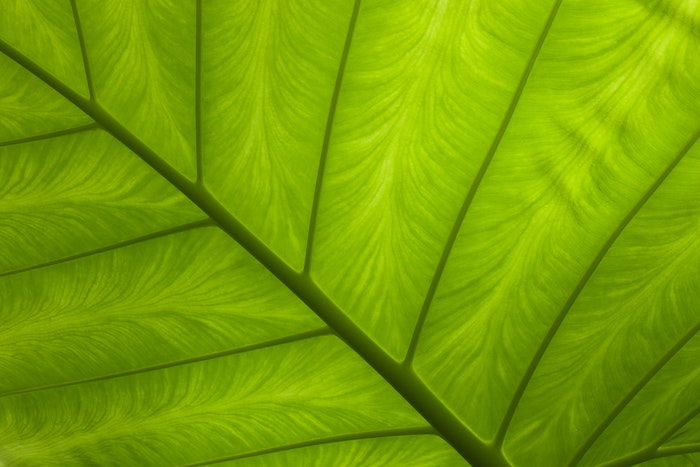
402,378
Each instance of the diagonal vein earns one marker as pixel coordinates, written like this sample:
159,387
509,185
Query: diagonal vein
632,393
677,450
452,237
53,134
114,246
198,91
554,327
83,49
404,381
654,449
238,350
327,137
327,440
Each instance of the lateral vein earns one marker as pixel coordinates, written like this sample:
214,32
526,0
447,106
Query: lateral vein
654,449
327,440
53,134
407,384
83,49
456,227
632,394
677,450
554,328
198,92
114,246
327,137
238,350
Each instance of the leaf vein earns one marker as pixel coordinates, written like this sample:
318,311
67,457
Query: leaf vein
198,92
225,353
53,134
653,450
549,336
114,246
408,385
327,137
327,440
632,394
456,227
83,49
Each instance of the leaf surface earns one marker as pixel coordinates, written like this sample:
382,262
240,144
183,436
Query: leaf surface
386,232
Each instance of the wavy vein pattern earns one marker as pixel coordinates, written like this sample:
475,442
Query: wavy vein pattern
425,451
421,101
691,459
269,70
133,335
69,194
28,107
274,396
688,434
665,401
53,41
642,300
142,60
595,127
68,319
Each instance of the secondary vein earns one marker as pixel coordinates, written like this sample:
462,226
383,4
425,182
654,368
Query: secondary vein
198,91
677,450
554,327
654,449
327,440
327,137
411,388
114,246
83,49
248,348
53,134
452,237
632,394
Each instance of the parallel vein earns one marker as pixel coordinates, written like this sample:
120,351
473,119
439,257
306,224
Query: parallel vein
449,244
327,136
53,134
329,439
677,450
632,393
544,344
83,50
198,91
225,353
465,442
114,246
654,449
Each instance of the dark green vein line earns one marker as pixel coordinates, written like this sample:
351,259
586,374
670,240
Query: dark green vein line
652,451
632,394
198,91
114,246
327,137
83,49
406,383
54,134
677,450
248,348
452,237
547,339
328,440
673,429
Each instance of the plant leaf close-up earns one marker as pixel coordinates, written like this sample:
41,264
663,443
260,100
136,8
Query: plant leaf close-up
350,232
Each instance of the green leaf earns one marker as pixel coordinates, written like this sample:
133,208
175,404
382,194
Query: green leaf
387,232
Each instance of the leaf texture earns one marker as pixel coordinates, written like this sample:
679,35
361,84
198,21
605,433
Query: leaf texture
578,155
377,232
